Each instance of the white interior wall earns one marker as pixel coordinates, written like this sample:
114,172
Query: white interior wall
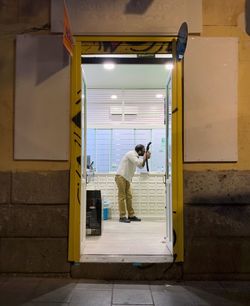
148,191
148,111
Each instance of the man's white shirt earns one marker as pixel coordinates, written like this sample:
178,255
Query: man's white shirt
128,165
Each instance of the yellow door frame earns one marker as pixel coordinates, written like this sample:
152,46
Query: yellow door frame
124,45
75,152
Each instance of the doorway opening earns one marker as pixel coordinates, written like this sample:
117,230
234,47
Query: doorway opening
125,102
134,103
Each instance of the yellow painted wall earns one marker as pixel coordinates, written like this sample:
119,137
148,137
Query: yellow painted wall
220,18
17,17
225,18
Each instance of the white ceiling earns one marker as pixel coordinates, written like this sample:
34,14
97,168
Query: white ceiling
123,76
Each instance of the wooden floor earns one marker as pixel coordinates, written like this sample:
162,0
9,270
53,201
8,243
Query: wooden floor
135,238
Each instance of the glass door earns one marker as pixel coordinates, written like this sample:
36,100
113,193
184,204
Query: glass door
168,180
83,164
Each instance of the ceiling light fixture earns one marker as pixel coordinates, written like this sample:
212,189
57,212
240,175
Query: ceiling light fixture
110,55
159,96
163,56
113,97
169,66
109,65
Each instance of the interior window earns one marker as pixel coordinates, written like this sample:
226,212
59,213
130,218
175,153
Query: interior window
106,147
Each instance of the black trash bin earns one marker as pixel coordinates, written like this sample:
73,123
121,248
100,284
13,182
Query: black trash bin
94,213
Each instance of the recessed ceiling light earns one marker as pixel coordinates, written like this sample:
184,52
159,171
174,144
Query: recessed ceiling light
110,55
169,66
109,65
163,55
113,97
159,96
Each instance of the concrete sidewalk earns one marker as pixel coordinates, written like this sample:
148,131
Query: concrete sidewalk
62,292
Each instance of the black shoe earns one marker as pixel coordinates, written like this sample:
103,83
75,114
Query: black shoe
124,220
134,218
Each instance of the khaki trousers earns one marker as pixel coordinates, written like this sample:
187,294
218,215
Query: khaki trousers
124,195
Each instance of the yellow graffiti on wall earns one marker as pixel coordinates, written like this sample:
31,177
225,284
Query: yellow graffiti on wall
120,47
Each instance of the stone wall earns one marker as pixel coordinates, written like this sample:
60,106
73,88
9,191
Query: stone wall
34,228
34,222
217,229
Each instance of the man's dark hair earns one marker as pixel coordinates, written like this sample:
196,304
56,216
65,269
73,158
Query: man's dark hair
139,148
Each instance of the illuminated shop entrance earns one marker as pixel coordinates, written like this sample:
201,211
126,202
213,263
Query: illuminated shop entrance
114,118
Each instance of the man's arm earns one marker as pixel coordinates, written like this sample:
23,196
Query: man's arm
145,157
138,162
